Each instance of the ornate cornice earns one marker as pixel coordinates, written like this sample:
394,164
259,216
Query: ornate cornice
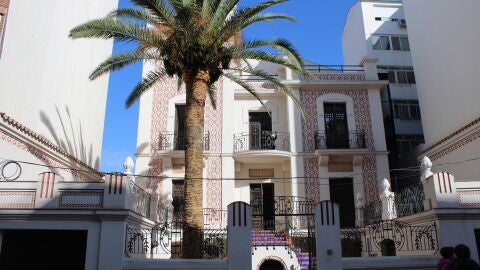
9,121
462,136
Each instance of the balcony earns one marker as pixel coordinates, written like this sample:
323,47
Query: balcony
336,72
340,140
261,141
176,141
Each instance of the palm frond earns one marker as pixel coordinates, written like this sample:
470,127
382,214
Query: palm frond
224,8
237,24
147,81
134,13
245,86
160,9
109,27
121,60
211,90
275,81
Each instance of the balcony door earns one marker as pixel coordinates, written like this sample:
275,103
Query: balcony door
262,202
179,136
336,126
260,127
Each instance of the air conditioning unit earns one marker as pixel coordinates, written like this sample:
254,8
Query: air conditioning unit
402,23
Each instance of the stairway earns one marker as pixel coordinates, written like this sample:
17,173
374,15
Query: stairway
280,238
269,238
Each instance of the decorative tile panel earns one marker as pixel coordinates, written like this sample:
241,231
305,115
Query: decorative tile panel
81,199
17,199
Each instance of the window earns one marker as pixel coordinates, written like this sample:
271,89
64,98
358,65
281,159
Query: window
398,43
381,42
406,109
403,75
405,143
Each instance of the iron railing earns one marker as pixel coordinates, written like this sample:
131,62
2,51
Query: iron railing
340,140
334,68
139,200
335,73
264,140
409,201
167,238
406,202
212,218
177,141
388,238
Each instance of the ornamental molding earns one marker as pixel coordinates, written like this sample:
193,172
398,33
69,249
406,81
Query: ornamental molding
455,140
26,139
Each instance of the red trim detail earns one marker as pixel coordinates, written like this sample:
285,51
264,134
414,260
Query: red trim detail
43,183
53,184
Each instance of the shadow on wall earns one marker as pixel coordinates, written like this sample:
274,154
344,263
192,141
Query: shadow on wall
70,138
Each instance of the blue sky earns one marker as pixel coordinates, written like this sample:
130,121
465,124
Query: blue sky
316,34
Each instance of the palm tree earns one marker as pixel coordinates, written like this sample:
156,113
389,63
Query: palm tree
196,41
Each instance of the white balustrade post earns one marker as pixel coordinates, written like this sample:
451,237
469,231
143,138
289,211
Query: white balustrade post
327,230
239,236
439,188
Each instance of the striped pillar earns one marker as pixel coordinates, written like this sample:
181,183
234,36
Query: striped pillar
327,230
440,191
239,236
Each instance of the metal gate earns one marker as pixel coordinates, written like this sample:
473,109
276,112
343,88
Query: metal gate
291,224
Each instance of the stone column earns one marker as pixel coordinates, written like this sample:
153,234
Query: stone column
327,229
239,236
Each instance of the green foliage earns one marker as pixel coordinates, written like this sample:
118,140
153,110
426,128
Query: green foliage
185,36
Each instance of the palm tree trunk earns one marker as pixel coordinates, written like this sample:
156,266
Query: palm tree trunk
196,88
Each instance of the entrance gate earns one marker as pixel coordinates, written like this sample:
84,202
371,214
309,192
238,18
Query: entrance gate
291,225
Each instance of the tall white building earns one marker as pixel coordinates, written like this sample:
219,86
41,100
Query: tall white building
445,55
378,29
44,83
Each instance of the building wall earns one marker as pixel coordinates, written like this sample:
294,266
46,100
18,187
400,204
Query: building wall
444,44
44,74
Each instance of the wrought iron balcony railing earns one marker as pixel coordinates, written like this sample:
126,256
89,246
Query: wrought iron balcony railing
264,140
177,141
340,140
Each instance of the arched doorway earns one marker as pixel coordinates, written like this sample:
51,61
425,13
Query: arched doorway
388,247
272,265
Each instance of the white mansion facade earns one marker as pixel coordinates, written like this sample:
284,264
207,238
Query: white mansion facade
337,151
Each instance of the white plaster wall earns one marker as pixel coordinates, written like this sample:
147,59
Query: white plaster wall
446,63
361,25
276,105
457,163
282,185
42,69
459,231
29,172
353,36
